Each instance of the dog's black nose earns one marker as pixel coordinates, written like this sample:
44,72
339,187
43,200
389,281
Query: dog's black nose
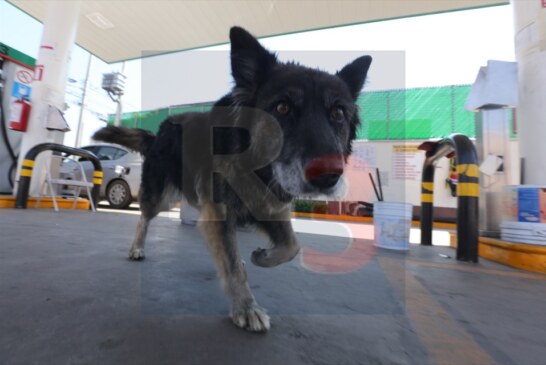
325,181
324,172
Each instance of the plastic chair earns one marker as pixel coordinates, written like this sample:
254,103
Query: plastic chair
53,165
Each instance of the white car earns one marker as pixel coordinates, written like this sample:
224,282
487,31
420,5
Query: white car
122,169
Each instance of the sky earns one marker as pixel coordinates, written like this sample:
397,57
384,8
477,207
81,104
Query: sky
433,50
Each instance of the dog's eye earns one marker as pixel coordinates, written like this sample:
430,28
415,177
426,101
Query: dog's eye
337,114
283,108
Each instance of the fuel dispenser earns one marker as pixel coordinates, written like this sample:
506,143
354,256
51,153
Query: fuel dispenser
16,75
493,98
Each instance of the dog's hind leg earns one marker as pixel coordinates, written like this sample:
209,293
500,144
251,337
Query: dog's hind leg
285,245
137,248
220,235
150,207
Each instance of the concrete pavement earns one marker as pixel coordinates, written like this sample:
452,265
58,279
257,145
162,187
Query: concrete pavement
68,295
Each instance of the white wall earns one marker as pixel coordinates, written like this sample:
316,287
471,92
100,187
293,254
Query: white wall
401,177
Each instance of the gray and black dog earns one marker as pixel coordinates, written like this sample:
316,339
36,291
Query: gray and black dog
283,131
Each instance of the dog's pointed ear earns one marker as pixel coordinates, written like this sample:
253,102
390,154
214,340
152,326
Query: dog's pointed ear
354,74
250,61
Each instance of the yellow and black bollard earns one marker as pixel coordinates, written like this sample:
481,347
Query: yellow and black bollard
427,205
467,192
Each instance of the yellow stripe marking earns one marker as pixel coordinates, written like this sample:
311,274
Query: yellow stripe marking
97,181
428,186
427,198
470,170
28,163
468,189
507,273
446,340
98,174
26,172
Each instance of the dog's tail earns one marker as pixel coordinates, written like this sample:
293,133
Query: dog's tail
136,139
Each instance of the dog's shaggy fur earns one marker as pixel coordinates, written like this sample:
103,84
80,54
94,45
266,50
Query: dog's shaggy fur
284,130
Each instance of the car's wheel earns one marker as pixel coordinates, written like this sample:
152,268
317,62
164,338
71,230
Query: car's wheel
118,194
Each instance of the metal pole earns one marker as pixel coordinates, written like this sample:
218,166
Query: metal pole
117,121
82,106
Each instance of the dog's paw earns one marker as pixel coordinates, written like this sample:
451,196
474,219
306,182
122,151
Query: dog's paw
136,254
253,318
274,256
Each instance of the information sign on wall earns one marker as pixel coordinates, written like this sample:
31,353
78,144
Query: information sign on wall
407,162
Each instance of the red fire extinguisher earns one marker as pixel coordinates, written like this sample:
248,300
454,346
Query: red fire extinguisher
20,111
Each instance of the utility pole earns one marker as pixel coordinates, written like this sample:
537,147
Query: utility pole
120,105
114,84
79,130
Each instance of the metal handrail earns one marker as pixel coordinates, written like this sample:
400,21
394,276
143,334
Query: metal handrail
463,149
28,166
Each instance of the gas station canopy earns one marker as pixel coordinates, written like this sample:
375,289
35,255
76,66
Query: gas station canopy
118,30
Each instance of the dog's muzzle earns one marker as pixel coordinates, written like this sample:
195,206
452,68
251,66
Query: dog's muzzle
324,172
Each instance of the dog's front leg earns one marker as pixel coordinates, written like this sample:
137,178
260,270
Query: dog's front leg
220,235
285,245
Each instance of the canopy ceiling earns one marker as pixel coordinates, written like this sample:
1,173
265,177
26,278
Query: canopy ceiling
117,30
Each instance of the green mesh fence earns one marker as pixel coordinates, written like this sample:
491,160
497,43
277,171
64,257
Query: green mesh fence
419,113
512,122
189,108
415,113
151,120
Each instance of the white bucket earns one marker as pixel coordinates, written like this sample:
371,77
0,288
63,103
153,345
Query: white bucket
392,223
